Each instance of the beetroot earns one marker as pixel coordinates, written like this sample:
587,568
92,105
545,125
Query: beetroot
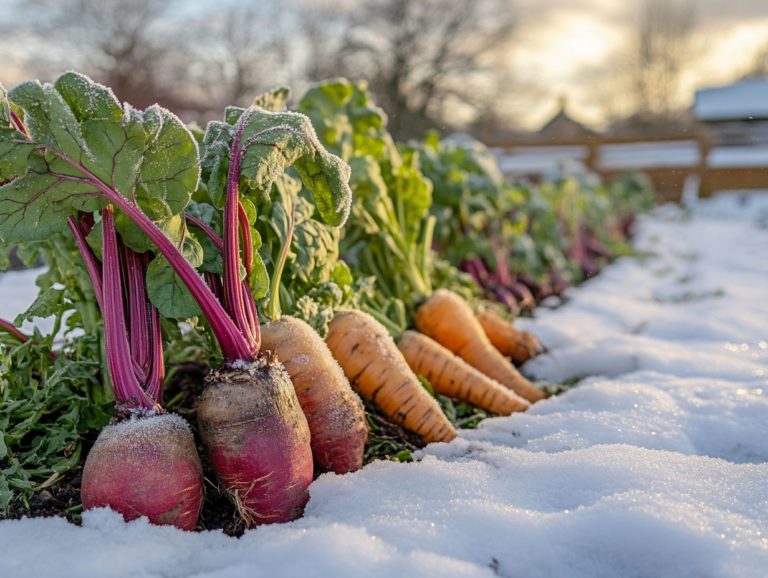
145,463
158,450
257,439
160,169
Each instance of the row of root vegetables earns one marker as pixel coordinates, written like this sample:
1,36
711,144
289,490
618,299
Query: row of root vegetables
461,364
295,250
323,426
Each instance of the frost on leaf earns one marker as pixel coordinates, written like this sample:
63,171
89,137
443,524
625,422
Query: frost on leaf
269,143
14,146
78,148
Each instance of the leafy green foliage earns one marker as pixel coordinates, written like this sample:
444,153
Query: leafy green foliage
555,232
314,281
170,168
80,140
50,406
389,235
294,221
471,193
166,291
274,100
347,120
49,302
271,143
212,258
66,147
80,146
47,407
14,148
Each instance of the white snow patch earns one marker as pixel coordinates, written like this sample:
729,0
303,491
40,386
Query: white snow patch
17,292
738,157
625,156
743,100
656,465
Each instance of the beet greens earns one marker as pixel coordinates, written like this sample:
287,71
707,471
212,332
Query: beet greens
72,149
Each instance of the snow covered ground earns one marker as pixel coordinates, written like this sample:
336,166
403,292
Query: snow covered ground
655,465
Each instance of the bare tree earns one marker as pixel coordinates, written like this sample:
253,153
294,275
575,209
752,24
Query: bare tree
430,62
426,59
126,44
660,49
241,49
321,27
637,88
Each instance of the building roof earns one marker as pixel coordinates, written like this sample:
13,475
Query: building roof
563,126
743,100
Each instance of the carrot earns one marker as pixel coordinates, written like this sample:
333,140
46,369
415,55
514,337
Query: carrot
449,320
510,341
378,371
335,414
452,376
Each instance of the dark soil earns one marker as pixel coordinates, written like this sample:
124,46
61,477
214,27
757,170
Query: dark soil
183,386
218,511
60,499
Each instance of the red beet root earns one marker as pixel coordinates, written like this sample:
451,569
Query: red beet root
257,439
146,466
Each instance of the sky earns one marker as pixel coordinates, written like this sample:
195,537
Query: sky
563,46
565,42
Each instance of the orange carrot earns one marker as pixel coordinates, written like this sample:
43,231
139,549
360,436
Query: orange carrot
452,376
449,320
519,345
335,414
378,371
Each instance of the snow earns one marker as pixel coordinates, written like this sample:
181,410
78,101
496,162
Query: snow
655,464
742,100
538,159
610,157
738,157
652,154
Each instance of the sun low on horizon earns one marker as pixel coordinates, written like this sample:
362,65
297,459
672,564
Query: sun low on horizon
570,49
562,51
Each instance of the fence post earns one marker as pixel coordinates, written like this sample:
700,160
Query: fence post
705,145
592,155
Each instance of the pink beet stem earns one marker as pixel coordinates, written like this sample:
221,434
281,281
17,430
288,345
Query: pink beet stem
233,343
127,387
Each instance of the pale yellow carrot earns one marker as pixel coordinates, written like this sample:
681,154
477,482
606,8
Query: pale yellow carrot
378,371
452,376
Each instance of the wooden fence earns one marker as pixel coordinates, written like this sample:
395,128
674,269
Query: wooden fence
674,164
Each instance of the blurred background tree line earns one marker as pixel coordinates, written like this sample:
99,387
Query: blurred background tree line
441,64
